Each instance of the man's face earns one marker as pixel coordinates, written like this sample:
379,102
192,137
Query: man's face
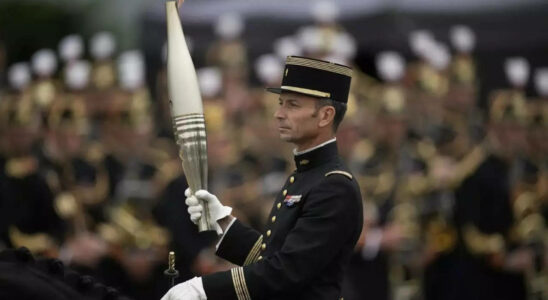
297,118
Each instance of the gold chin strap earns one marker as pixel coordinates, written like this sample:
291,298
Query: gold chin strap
306,91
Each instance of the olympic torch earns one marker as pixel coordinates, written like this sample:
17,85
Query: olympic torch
186,109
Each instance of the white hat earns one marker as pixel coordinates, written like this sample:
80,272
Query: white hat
269,68
77,75
102,45
287,46
517,71
229,26
44,62
310,38
437,54
71,47
210,81
131,69
325,11
19,76
390,66
462,38
344,45
420,41
541,81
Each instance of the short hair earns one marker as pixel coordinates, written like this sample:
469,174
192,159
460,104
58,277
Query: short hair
340,110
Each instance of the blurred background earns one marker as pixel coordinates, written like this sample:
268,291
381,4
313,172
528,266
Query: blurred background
446,132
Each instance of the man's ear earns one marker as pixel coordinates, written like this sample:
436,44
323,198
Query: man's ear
326,116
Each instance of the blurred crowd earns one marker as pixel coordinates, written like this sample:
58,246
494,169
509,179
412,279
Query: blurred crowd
455,196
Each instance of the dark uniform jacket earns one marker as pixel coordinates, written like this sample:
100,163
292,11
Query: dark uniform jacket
311,232
483,200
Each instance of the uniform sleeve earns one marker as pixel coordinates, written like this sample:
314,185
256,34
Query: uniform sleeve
329,219
240,245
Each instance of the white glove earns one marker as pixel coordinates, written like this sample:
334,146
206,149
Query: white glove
217,210
192,289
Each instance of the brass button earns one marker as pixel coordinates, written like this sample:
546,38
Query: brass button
279,205
260,257
291,179
268,232
284,192
263,246
273,219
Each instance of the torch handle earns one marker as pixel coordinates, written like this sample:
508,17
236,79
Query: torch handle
203,223
191,137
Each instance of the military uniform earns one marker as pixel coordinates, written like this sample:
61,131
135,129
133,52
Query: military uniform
483,213
313,226
27,215
315,220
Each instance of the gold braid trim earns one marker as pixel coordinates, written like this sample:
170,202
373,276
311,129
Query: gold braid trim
254,253
339,172
240,286
236,283
468,165
244,284
325,66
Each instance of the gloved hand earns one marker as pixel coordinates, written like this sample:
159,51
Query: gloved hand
192,289
217,210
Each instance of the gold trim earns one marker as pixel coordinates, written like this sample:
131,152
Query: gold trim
321,65
339,172
468,165
35,242
314,93
244,284
236,283
240,286
251,257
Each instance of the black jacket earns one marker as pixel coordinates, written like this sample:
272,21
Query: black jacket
311,232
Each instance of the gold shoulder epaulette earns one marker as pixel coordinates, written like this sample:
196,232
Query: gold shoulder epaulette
339,172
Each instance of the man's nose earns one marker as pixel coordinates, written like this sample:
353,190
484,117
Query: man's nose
278,114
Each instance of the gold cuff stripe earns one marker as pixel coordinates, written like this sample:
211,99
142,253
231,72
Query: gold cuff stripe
339,172
254,253
236,284
244,284
306,91
240,286
326,66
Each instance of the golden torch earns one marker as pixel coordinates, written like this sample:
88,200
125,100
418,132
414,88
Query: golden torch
186,109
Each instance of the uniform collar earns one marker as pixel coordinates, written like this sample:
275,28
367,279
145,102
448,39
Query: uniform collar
315,156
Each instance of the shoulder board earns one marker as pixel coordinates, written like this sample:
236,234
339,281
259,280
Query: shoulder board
339,172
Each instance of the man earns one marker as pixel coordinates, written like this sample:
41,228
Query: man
27,213
316,218
490,264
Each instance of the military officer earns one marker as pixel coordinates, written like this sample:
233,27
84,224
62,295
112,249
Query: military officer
317,216
489,264
27,215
